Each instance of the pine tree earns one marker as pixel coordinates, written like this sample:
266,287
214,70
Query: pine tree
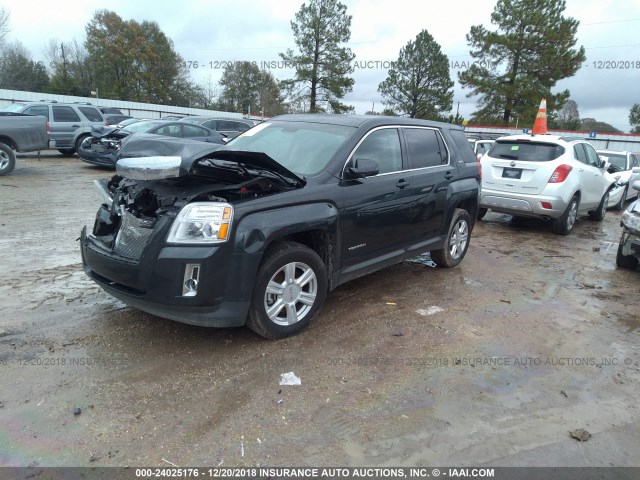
322,64
520,62
419,85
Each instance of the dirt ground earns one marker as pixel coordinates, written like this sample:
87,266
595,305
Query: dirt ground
491,363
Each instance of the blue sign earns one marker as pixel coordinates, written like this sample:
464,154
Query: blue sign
525,130
592,135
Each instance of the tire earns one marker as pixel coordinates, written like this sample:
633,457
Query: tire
599,213
482,212
7,159
626,261
79,142
67,151
457,241
565,223
271,315
620,204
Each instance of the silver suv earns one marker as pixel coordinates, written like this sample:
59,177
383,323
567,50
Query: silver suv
70,122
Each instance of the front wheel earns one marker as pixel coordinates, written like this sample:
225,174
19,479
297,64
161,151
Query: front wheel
290,289
599,213
7,159
457,241
626,261
564,224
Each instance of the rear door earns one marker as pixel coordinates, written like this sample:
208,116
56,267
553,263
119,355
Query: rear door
65,122
429,172
592,179
520,166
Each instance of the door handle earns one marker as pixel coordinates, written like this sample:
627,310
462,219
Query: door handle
448,175
402,184
75,126
581,169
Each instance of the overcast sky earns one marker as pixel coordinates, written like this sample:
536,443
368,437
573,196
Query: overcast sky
213,32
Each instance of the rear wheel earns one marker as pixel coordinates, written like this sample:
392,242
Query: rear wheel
620,204
7,159
457,241
290,289
564,224
79,142
599,213
626,261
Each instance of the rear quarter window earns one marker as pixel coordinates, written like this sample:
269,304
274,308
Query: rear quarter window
92,114
463,145
64,114
527,151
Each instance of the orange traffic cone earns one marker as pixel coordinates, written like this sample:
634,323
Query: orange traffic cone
540,125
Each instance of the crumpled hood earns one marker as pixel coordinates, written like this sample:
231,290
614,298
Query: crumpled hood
187,155
100,131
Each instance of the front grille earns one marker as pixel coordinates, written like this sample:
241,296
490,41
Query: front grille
132,237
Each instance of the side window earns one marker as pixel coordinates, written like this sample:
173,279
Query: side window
39,110
425,148
193,131
64,114
92,114
243,127
210,124
383,146
169,130
579,152
634,161
227,125
592,156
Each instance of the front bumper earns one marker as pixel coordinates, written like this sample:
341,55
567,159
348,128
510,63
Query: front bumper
155,282
521,204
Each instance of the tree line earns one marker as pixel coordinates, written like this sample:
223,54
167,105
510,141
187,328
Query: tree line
533,45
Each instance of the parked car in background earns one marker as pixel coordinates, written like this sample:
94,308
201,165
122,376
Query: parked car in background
110,111
115,119
621,165
102,147
20,133
628,255
545,176
70,122
480,147
259,231
229,127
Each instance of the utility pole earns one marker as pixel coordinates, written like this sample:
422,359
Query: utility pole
65,78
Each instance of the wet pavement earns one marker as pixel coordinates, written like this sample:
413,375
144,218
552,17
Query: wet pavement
533,336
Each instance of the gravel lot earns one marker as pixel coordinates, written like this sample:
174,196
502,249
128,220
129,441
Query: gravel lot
492,363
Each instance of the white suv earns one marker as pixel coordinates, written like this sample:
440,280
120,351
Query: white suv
545,176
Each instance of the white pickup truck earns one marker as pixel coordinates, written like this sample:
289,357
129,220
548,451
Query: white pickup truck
20,133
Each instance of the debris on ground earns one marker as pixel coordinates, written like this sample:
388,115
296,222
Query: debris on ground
564,394
1,405
398,334
77,411
581,435
391,303
289,378
94,457
170,463
423,259
432,310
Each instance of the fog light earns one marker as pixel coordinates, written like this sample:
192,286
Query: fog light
191,277
547,205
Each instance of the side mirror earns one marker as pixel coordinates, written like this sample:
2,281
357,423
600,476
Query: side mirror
360,168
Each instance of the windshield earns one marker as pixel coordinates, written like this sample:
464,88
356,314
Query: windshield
142,126
618,161
302,147
13,108
529,151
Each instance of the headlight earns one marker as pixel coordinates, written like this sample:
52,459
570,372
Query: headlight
631,220
202,223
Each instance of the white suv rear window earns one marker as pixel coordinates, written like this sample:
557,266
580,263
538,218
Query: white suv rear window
528,151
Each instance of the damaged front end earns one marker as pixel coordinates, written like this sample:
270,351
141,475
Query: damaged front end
629,249
166,221
103,146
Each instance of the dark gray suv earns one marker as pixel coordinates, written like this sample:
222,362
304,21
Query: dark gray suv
70,122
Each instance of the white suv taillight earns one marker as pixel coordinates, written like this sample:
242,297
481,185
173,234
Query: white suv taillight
560,174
